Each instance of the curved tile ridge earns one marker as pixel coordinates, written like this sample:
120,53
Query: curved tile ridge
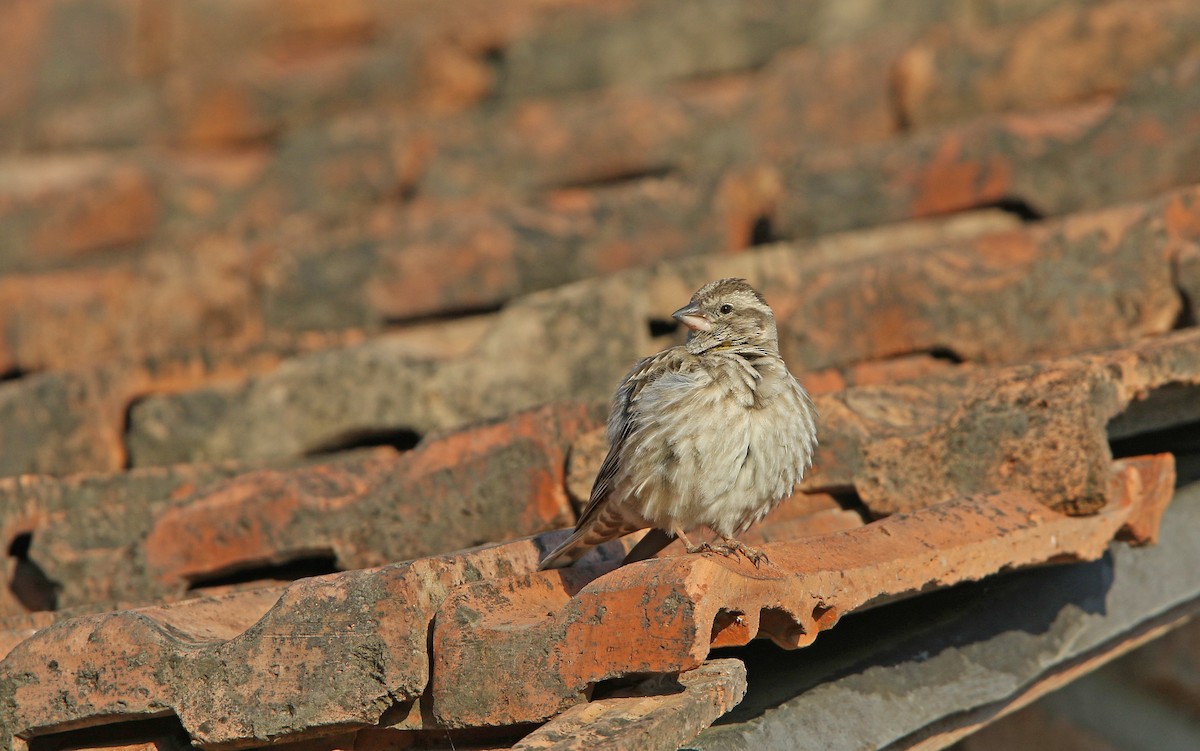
637,720
665,615
328,652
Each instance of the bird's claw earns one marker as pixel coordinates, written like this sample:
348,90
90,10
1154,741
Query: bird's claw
732,549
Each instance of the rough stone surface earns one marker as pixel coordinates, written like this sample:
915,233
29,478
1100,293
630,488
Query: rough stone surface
646,721
996,299
74,420
1072,53
1087,156
561,641
259,257
1046,161
152,533
339,650
198,658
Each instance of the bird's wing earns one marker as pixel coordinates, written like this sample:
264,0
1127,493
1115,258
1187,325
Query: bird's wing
623,421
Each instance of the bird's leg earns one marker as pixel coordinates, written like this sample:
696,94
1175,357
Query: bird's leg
703,547
732,548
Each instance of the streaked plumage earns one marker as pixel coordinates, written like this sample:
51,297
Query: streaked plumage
714,432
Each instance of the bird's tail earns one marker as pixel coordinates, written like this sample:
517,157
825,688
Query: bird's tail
570,550
593,532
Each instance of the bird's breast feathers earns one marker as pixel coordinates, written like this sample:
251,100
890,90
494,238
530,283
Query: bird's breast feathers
717,442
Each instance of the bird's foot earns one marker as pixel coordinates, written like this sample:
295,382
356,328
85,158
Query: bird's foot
733,549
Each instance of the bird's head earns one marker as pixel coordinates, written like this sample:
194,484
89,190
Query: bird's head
726,313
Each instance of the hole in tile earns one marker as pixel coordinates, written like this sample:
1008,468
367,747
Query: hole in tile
638,684
299,567
730,628
762,232
617,178
1017,207
441,316
944,353
13,374
1166,419
401,439
1187,312
849,500
29,584
166,733
781,627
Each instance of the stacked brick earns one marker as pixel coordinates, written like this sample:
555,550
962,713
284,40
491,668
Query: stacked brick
309,314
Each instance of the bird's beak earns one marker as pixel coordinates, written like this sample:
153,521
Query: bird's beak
692,317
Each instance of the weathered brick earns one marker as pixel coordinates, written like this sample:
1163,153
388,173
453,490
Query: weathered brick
562,641
321,655
999,298
1040,427
482,484
1070,54
79,529
223,74
64,208
154,534
289,648
368,272
74,420
1052,162
633,722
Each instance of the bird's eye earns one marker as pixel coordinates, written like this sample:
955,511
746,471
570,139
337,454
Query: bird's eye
726,308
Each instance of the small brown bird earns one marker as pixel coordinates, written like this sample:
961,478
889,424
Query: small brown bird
714,432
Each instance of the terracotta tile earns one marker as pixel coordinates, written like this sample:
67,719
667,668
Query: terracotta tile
996,299
317,656
154,534
75,420
638,721
1066,55
562,642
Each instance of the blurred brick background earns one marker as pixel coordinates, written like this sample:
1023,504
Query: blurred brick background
301,237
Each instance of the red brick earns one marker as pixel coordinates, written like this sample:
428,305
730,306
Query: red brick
562,640
60,208
1069,54
196,523
75,421
636,722
1006,298
322,655
483,484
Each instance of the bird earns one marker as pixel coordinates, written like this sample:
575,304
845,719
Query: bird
713,432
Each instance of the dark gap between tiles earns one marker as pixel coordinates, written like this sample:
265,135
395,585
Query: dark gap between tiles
29,584
400,438
166,733
441,316
1166,419
617,179
299,567
13,374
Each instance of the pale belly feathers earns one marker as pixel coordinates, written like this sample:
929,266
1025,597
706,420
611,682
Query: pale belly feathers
728,448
